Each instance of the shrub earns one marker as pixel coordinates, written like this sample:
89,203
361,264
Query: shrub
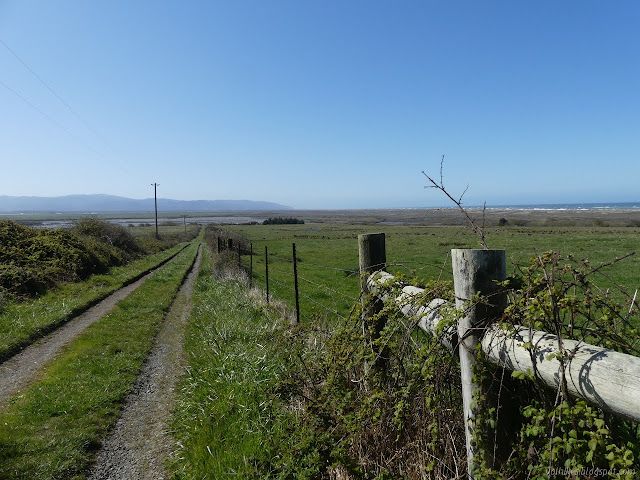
283,221
35,260
31,261
108,233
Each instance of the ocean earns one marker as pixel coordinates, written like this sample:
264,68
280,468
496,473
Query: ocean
568,206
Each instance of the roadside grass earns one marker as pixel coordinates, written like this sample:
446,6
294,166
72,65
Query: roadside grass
21,323
423,252
52,429
226,420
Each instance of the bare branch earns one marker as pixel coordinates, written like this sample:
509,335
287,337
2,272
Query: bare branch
440,186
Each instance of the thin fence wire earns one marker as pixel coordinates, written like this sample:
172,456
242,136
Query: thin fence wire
275,270
431,265
346,270
350,272
349,297
321,305
307,264
329,289
288,287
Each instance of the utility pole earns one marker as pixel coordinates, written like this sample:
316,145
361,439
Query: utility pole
155,196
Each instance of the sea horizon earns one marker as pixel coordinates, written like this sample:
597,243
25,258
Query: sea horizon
561,206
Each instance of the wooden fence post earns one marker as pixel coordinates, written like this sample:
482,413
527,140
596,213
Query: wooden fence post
230,244
251,266
372,256
266,270
475,272
219,244
295,278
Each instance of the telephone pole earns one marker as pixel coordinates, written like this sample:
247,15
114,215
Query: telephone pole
155,196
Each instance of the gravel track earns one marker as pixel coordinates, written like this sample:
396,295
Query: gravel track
22,369
139,445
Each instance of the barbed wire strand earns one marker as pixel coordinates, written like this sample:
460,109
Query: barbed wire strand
307,264
354,299
329,289
308,297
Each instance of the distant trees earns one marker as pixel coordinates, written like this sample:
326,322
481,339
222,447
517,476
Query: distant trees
283,221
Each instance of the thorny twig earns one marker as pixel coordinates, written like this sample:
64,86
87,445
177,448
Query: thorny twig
440,186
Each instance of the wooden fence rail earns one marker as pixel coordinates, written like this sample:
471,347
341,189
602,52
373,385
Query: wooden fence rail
600,376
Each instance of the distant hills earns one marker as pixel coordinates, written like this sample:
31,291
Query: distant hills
112,203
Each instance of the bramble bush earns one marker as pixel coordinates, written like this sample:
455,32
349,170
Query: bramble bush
383,405
35,260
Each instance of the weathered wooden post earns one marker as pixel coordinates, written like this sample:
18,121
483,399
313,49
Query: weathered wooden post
295,279
372,256
475,272
251,265
230,244
219,244
266,270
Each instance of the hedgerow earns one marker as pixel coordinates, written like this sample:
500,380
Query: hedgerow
35,260
388,405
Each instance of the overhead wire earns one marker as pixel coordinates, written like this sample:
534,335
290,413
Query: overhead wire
53,92
35,107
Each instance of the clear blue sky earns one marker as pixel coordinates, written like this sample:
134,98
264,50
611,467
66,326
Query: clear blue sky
322,104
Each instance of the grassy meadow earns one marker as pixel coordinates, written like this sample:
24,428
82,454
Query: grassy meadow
328,255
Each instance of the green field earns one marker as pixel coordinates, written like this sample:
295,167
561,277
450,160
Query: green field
328,255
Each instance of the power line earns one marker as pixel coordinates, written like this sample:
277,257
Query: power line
86,124
57,124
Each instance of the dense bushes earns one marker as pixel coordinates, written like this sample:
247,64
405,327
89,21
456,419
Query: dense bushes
113,244
283,221
388,405
34,260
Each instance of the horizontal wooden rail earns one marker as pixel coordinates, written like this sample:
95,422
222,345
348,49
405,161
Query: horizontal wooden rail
603,377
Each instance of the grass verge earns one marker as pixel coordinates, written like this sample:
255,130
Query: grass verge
51,430
226,416
23,323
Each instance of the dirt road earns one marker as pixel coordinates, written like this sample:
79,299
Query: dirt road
139,445
22,369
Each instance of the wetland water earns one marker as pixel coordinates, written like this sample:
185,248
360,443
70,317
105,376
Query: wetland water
583,214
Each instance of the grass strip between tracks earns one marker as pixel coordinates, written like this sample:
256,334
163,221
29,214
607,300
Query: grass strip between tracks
52,429
23,323
226,418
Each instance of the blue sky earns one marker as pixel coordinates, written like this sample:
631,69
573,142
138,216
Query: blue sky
322,104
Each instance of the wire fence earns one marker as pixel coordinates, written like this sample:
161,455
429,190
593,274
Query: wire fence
314,294
332,289
312,287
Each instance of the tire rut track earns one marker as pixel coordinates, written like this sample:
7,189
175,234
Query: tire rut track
139,444
22,369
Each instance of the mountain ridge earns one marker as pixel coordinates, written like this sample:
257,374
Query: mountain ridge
112,203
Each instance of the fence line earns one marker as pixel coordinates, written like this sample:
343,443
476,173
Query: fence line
601,376
353,299
329,309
